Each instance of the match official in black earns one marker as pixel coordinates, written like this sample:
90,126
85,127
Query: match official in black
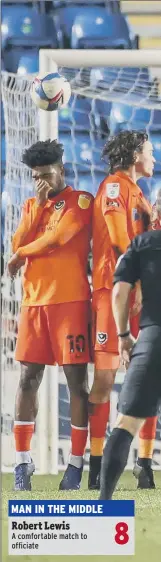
141,391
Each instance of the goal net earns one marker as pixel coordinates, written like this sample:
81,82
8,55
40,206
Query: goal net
105,99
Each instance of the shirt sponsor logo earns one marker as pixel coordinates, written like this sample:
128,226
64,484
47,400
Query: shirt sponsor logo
112,204
112,190
59,205
84,201
102,337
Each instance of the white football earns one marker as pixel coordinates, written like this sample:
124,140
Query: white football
50,92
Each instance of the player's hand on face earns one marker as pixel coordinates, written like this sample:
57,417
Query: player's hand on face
14,264
125,349
42,189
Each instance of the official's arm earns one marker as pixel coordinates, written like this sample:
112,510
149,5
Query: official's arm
126,275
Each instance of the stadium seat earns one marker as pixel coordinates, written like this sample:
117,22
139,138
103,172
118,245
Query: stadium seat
89,150
28,62
3,153
89,26
76,115
155,186
132,82
64,428
146,185
155,121
63,19
126,117
150,186
65,118
2,119
155,139
100,116
24,26
95,28
67,145
90,182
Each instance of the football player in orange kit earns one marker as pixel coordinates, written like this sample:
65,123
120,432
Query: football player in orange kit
53,239
120,213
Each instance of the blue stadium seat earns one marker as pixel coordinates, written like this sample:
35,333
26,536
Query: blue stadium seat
68,154
81,153
63,20
100,116
155,121
25,26
155,139
74,23
2,119
95,28
134,82
89,150
126,117
81,108
76,115
65,118
150,186
64,428
64,409
90,182
3,153
155,186
28,62
146,185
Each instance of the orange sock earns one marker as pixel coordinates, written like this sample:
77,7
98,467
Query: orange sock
147,437
23,432
78,442
98,422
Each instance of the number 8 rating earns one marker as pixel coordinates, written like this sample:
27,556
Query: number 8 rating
57,527
121,536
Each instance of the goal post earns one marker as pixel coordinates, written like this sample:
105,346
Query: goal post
77,58
120,84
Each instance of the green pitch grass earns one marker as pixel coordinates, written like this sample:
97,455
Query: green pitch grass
148,516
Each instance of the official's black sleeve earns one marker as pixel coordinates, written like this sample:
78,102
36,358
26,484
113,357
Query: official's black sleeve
128,269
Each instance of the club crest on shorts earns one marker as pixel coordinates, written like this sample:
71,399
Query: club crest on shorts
102,337
84,201
112,190
59,205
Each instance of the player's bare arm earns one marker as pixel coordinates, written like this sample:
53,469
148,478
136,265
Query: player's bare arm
120,306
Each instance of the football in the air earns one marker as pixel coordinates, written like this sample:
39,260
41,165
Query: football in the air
50,92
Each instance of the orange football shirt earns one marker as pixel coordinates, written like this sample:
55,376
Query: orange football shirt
55,240
120,213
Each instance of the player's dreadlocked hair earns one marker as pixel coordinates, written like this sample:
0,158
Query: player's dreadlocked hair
119,151
43,153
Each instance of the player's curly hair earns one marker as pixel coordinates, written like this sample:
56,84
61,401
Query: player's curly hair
43,153
119,151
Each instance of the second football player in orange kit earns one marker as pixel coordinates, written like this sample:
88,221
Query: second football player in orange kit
120,213
53,239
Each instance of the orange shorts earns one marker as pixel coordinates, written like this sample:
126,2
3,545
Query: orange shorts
58,333
104,335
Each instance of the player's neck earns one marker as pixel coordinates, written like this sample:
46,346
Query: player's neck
55,192
131,173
